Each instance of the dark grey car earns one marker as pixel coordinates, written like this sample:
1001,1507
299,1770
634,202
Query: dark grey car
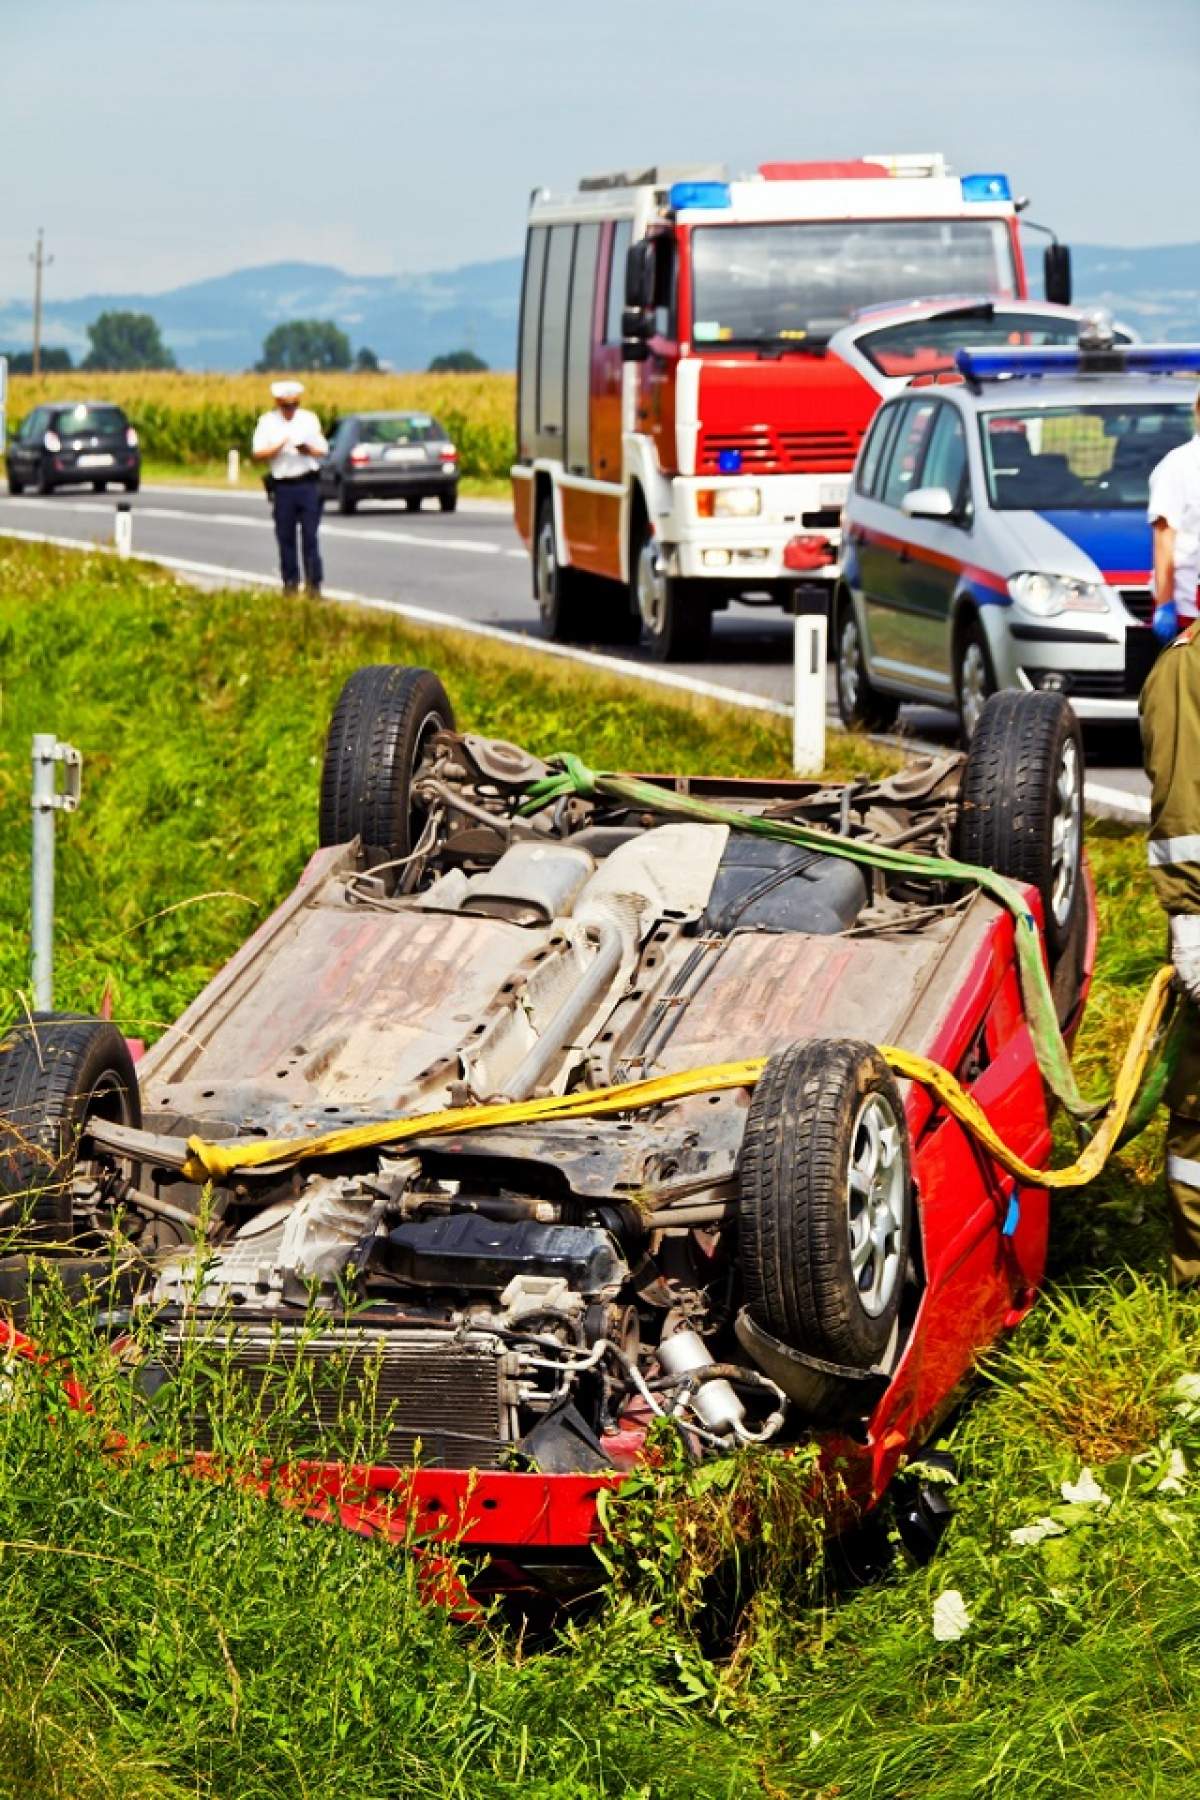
390,456
68,443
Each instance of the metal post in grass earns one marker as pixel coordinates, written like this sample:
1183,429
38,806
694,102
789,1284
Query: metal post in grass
123,529
810,607
48,799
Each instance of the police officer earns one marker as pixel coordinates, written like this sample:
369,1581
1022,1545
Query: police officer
289,439
1170,711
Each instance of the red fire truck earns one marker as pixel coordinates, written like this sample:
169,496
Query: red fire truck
684,437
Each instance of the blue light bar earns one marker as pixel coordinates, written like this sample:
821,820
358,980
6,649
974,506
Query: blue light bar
711,194
1066,359
986,187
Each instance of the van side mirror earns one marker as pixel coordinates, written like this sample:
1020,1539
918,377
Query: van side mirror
639,274
1056,280
635,349
637,322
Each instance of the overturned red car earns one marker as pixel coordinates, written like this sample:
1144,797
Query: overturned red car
818,1253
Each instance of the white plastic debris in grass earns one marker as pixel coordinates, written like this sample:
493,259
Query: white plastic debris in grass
1086,1491
1033,1534
1185,1391
1174,1480
951,1620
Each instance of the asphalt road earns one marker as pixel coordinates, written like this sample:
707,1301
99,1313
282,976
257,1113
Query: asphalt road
470,566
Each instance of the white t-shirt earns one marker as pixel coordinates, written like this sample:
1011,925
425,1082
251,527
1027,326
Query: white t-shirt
303,427
1175,497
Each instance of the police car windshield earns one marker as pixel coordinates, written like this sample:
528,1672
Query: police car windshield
1078,458
919,346
781,283
400,428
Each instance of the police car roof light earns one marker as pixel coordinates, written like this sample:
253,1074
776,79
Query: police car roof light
699,194
1065,359
986,187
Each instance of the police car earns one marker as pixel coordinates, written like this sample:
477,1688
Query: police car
996,532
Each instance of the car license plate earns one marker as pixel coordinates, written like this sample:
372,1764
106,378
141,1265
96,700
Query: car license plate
94,460
404,455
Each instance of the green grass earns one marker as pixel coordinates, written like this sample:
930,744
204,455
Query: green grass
170,1638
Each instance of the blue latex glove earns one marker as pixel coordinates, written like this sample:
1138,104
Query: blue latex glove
1165,624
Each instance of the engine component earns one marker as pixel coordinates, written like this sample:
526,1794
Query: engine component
466,1251
715,1404
766,883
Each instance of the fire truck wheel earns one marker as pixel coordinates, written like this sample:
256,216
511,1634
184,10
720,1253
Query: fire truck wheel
558,589
57,1070
676,619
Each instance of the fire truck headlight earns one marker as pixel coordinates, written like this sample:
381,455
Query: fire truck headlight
729,503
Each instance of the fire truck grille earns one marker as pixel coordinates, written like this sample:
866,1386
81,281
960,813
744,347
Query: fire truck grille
762,451
389,1389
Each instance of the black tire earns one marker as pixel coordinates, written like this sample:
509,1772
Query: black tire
99,487
861,706
381,727
448,502
412,502
810,1120
133,484
560,591
676,616
974,677
15,484
1020,804
56,1072
347,501
45,481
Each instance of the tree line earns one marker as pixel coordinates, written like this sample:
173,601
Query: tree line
132,340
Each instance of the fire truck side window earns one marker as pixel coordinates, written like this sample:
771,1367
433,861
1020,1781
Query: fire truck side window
622,234
531,312
579,349
552,363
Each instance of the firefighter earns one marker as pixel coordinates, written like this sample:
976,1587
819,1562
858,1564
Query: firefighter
1170,710
290,441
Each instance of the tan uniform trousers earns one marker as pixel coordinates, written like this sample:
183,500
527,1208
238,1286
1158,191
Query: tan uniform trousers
1183,1156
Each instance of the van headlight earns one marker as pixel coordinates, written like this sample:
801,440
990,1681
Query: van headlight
729,503
1047,595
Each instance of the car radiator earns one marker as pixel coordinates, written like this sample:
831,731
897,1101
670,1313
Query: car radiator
414,1395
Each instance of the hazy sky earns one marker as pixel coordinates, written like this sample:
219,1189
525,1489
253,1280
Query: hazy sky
159,141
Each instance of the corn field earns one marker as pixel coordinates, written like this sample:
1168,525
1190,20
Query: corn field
187,419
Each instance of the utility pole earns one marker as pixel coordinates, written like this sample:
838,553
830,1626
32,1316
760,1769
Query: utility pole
40,261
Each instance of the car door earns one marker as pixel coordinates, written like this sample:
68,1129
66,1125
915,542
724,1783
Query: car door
897,629
23,452
931,562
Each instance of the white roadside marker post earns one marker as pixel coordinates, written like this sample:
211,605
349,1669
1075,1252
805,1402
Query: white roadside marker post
47,799
123,529
233,464
808,699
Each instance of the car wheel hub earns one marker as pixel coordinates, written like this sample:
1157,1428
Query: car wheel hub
1065,834
877,1203
651,588
974,686
547,566
849,672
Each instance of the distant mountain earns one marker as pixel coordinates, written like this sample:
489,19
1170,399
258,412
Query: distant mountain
407,319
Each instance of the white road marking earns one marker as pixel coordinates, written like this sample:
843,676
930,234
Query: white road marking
1127,808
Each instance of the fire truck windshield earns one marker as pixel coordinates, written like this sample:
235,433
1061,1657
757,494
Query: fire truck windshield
792,284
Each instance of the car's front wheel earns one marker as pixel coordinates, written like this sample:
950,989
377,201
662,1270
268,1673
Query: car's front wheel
974,678
826,1201
861,706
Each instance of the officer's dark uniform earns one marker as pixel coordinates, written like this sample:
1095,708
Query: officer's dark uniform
298,505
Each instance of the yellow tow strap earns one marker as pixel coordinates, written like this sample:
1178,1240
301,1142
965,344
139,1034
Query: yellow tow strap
213,1162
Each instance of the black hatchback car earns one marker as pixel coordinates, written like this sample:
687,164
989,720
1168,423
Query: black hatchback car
390,456
68,443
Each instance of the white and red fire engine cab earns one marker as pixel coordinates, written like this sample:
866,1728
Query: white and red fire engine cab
684,436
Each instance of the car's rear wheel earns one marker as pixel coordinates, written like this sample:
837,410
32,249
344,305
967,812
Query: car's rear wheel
99,487
133,484
45,480
676,623
382,727
974,678
861,706
347,499
15,484
412,502
448,502
826,1201
57,1071
1021,804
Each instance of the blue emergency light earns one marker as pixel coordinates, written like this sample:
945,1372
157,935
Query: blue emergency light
729,462
986,187
699,194
1068,359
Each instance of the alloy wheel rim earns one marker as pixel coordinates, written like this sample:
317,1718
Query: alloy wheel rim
850,668
974,687
876,1203
547,565
1066,834
651,588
